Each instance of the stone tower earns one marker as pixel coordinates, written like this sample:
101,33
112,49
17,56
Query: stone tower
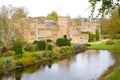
64,25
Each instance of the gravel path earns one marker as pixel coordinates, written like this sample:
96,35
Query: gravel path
98,42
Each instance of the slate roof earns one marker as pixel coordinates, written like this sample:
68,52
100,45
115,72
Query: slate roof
50,23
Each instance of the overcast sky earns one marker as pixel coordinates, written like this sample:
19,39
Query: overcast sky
73,8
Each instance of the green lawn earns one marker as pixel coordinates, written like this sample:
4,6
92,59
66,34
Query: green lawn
103,46
0,45
74,44
6,58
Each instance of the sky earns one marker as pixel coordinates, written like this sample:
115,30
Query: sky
72,8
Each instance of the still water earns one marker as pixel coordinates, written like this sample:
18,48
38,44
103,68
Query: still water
88,65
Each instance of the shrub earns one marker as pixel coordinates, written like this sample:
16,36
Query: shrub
63,50
17,47
35,42
8,62
50,47
28,60
3,49
33,54
97,35
47,54
87,44
31,47
91,37
57,49
110,42
55,53
9,53
0,43
48,40
69,48
41,45
59,42
63,42
80,47
19,63
36,55
2,66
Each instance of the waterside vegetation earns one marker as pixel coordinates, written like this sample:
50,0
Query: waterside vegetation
38,52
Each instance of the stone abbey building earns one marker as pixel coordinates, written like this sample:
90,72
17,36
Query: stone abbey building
40,29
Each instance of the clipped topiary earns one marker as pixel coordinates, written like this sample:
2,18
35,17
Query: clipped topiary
91,37
50,47
48,40
59,42
17,48
35,42
97,35
63,42
41,45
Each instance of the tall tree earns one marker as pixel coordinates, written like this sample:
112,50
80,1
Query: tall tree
104,23
97,35
52,16
106,7
7,31
19,13
113,26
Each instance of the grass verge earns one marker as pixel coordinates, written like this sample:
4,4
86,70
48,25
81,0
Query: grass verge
104,46
115,75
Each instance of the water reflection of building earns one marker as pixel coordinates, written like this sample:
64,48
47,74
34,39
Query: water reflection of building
89,55
64,63
67,61
95,52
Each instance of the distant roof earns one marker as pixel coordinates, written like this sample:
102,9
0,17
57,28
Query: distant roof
50,23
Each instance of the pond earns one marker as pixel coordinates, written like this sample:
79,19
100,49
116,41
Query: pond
88,65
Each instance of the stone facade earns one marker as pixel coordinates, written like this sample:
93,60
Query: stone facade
40,29
88,26
64,23
80,38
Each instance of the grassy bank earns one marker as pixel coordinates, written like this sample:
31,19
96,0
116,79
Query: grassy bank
113,72
115,75
0,45
104,46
